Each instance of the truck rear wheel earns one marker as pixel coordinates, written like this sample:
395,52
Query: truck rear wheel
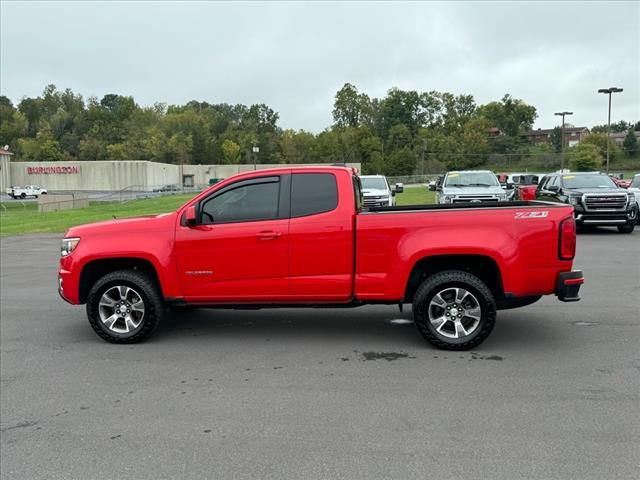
454,310
124,307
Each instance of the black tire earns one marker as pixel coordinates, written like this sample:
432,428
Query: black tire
628,228
439,283
149,293
23,196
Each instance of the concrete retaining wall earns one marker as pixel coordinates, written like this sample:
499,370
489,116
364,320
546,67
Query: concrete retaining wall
57,201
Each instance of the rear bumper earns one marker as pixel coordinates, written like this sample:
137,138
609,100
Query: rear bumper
568,285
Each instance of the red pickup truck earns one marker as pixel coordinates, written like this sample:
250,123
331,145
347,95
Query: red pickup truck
299,237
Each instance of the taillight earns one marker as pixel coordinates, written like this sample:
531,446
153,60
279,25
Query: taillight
567,243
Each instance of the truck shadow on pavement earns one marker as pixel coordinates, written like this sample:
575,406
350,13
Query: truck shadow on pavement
512,331
277,324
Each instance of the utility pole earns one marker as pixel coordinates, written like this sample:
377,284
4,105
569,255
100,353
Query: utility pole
609,91
255,150
562,114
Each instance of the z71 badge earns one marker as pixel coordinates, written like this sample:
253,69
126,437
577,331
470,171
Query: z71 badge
541,214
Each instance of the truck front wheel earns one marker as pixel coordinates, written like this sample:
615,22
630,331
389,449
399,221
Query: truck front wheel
628,228
454,310
124,307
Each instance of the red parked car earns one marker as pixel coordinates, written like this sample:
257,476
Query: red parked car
299,237
620,182
526,186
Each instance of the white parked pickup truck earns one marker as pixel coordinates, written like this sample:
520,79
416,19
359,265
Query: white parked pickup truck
26,191
376,191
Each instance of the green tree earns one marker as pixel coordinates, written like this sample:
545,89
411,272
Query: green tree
600,140
630,144
585,157
13,123
556,139
619,127
399,137
401,162
48,148
90,149
372,158
230,151
350,108
512,116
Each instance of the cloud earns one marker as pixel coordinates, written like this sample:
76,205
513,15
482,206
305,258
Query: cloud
295,56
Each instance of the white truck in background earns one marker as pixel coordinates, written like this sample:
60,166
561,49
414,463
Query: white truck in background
376,191
26,191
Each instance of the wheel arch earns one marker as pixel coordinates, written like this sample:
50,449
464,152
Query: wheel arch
482,266
96,269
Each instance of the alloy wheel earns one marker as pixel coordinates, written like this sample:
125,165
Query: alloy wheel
121,309
455,312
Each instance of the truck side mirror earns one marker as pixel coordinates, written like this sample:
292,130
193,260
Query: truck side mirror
190,216
553,188
399,187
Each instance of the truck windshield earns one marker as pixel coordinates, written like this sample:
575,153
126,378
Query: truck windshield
588,181
636,182
373,183
471,179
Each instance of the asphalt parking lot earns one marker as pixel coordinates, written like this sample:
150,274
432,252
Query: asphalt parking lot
300,394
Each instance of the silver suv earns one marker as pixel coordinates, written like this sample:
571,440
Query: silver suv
475,186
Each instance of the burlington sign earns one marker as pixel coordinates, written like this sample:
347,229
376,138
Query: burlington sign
61,170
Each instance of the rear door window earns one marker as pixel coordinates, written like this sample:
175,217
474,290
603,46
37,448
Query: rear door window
313,193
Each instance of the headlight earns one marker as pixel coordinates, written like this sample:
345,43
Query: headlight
632,199
502,198
573,200
446,198
68,246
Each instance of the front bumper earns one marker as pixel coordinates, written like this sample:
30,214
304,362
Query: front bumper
68,280
605,218
568,285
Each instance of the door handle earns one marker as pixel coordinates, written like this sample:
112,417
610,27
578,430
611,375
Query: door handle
268,235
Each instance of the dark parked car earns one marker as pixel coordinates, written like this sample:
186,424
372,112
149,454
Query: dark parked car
167,188
596,199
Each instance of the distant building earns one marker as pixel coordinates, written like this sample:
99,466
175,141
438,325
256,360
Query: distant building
116,175
618,137
493,132
572,135
5,169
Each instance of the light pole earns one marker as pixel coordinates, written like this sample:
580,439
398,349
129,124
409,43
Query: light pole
562,114
255,150
609,91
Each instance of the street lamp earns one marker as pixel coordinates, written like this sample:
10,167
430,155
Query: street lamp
255,150
562,114
609,91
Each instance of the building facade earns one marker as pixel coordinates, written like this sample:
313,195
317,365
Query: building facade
572,136
618,137
110,176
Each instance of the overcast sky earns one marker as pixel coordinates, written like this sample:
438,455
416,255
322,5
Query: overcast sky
295,56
